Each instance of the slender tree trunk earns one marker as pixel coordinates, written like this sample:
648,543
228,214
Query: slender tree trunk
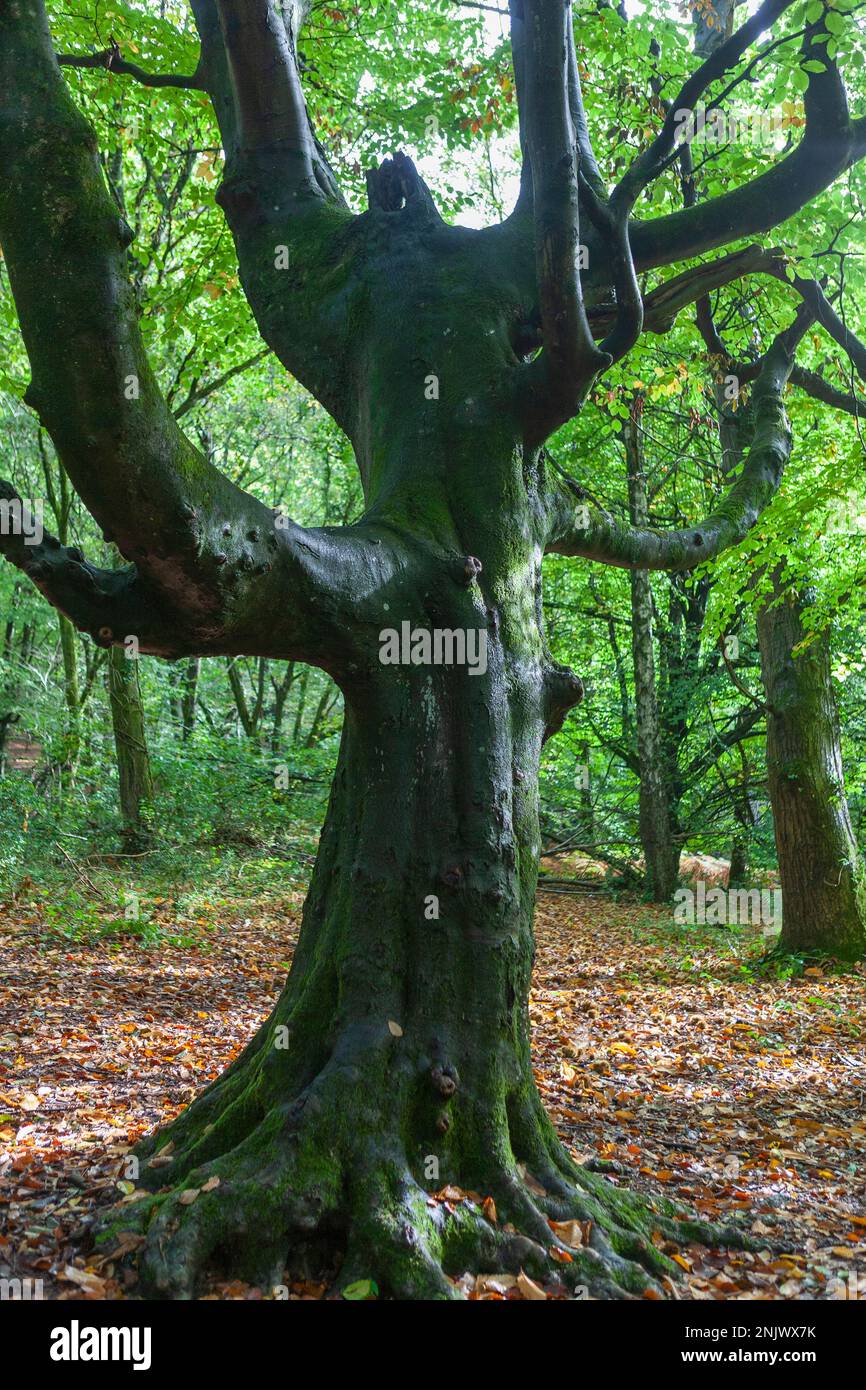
739,860
661,851
282,690
71,741
327,700
189,687
130,742
822,874
13,665
587,810
301,706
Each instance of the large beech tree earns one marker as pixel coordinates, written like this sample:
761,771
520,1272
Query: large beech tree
400,1037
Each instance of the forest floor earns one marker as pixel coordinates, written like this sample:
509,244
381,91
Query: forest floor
657,1048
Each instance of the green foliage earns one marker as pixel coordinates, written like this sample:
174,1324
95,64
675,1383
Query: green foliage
436,78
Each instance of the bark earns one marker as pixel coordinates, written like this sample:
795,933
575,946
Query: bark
189,688
282,689
71,740
661,852
135,783
821,871
739,860
14,663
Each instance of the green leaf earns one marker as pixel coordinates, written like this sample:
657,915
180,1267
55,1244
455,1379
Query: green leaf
362,1289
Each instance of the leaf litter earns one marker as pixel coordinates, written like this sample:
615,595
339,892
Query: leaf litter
660,1056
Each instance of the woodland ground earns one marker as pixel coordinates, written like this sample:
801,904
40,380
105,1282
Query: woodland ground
660,1049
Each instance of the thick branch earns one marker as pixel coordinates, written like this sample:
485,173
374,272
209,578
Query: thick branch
650,163
562,374
579,529
108,604
814,385
831,143
279,194
203,547
611,220
269,103
664,303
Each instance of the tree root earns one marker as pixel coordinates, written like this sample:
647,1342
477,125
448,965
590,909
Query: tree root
246,1187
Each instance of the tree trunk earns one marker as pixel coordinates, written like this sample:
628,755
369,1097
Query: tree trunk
13,664
397,1059
189,687
130,741
661,851
739,860
71,741
823,884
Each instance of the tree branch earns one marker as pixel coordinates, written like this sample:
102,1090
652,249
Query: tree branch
109,604
651,161
279,195
831,143
666,301
579,529
198,393
204,551
110,60
560,377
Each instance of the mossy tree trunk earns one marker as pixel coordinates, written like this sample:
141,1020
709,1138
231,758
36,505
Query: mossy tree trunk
135,784
402,1037
820,867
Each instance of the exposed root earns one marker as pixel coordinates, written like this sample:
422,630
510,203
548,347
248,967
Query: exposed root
247,1190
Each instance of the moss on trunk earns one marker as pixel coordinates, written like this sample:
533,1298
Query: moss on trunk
823,883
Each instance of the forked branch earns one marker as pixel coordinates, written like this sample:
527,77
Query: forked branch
561,376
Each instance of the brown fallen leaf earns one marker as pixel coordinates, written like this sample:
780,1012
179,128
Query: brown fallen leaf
569,1232
530,1290
90,1283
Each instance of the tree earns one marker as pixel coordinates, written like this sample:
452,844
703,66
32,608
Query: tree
135,784
820,867
657,827
398,1055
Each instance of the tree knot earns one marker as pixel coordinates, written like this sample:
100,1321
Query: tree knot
444,1080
